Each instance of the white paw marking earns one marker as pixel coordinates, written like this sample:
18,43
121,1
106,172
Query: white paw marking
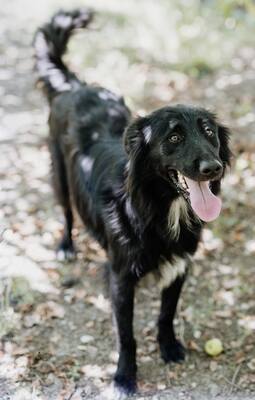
65,255
113,393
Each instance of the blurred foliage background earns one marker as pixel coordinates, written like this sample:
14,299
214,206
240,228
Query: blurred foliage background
160,42
152,43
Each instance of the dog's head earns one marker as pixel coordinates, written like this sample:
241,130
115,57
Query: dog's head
186,146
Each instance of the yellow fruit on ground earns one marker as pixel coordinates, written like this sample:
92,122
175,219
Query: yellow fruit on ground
213,347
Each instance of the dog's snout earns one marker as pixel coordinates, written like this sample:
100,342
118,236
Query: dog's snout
209,168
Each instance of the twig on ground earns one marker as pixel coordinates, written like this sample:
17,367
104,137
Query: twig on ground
233,380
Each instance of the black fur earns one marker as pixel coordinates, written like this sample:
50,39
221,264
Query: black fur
121,187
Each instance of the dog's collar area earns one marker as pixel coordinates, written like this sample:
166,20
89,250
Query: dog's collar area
180,183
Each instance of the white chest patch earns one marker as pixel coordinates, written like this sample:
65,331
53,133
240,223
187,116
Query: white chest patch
167,272
178,212
170,271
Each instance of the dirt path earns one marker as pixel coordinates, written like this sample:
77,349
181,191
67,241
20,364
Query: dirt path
55,320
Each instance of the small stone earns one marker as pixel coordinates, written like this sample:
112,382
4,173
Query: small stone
145,359
92,351
161,386
86,339
90,324
152,347
114,356
251,364
31,320
213,366
197,334
214,390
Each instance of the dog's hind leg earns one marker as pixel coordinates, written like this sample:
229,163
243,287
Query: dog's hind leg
171,349
65,250
122,295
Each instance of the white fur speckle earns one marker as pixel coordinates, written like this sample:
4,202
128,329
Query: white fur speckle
115,224
87,164
113,112
147,133
116,330
62,21
173,123
178,212
41,45
107,95
46,67
170,271
95,136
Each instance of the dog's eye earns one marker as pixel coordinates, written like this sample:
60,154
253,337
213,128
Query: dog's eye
175,138
208,131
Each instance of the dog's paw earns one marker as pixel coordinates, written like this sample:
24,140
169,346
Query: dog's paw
66,253
114,392
124,386
172,351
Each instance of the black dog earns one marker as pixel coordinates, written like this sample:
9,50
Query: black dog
142,188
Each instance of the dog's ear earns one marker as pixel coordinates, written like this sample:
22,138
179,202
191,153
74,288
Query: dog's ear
225,152
138,133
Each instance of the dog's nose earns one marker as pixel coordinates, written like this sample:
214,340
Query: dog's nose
208,168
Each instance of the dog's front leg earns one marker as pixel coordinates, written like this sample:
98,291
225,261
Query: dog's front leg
122,294
171,349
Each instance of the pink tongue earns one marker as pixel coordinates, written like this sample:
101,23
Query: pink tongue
205,204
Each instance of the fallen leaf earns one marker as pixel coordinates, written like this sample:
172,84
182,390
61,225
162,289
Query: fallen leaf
49,310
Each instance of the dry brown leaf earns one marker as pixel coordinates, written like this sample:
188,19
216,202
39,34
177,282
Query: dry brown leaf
192,345
50,309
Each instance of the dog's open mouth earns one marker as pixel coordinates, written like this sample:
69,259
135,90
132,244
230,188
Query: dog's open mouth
180,183
204,203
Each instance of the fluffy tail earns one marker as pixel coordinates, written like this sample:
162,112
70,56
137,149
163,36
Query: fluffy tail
50,44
